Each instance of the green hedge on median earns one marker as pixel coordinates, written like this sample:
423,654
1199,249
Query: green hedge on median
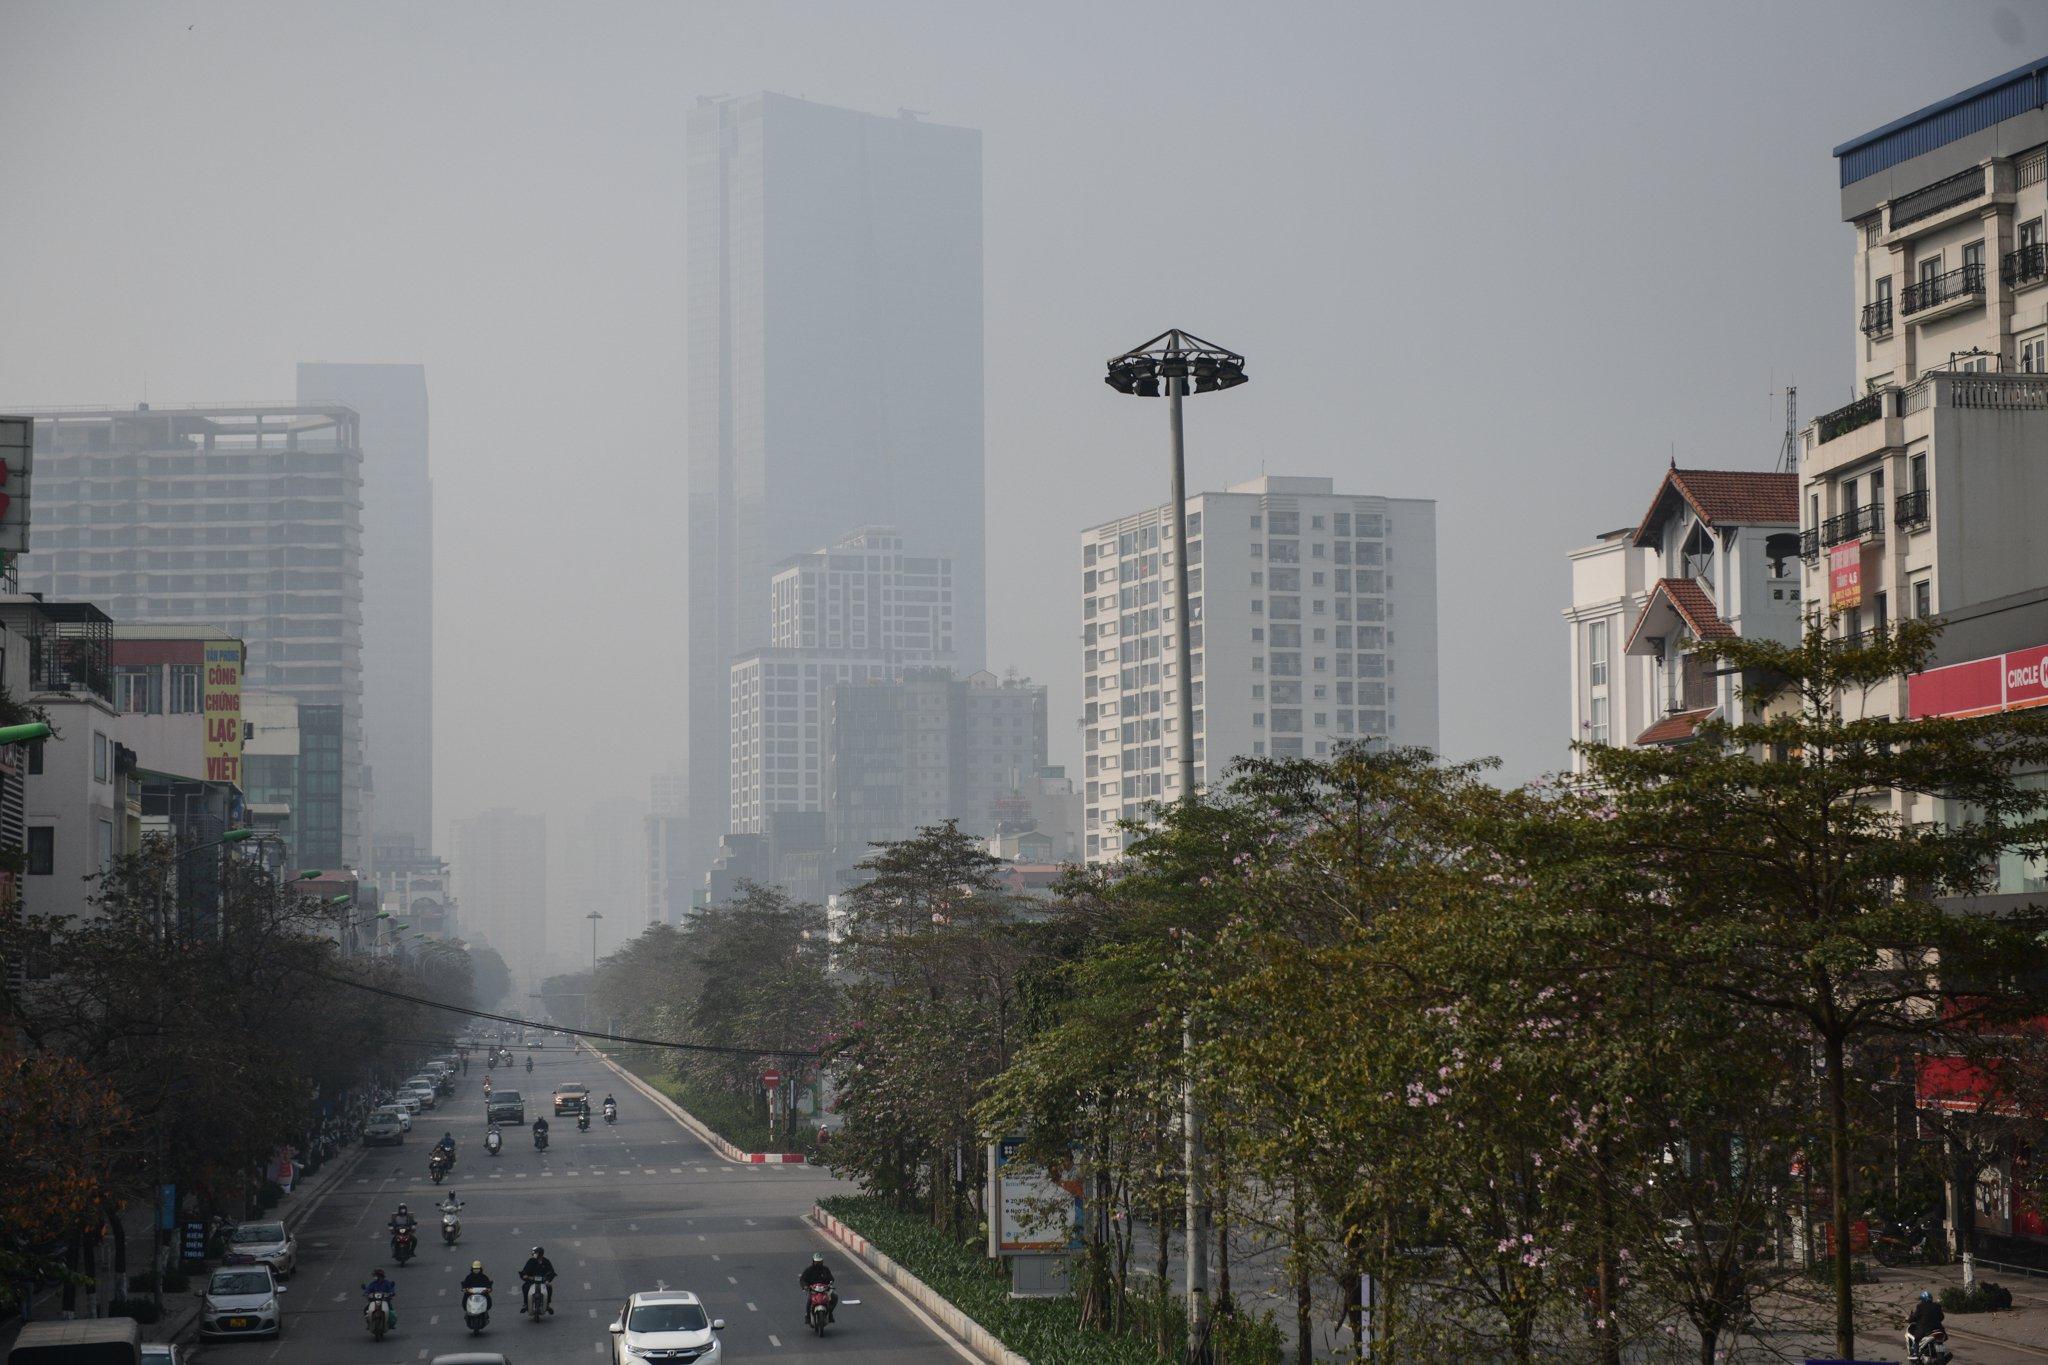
1044,1331
730,1116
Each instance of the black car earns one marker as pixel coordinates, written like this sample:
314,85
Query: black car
506,1107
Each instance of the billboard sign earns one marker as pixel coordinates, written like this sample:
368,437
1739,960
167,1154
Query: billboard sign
1845,576
2013,681
222,711
17,454
1032,1211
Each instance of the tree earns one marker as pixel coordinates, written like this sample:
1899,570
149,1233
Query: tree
1798,859
763,961
493,978
64,1139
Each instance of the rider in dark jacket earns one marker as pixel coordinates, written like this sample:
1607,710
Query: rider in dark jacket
380,1283
539,1267
476,1279
818,1275
1926,1319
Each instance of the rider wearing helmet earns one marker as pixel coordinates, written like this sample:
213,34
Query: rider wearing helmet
1926,1319
381,1284
538,1267
818,1275
476,1279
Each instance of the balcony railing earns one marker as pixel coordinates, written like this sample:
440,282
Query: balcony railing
1961,283
1941,195
1877,318
2028,264
1860,413
1858,523
1910,509
1809,544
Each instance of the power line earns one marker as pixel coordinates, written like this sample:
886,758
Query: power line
724,1049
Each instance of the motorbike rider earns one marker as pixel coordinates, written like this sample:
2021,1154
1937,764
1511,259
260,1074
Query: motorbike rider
540,1127
610,1104
476,1279
447,1144
381,1284
818,1275
538,1268
1926,1319
529,1066
403,1221
494,1139
452,1204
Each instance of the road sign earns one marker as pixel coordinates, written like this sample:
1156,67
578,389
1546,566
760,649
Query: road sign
771,1079
193,1241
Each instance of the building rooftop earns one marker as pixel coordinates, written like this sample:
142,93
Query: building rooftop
1948,120
135,630
1687,601
1675,728
1725,497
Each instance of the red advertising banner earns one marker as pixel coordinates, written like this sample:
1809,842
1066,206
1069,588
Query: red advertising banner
1845,575
2002,682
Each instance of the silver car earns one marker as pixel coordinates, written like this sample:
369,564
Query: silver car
270,1244
242,1301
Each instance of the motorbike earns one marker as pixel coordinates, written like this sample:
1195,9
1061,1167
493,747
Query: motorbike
583,1121
493,1140
437,1165
404,1245
817,1307
539,1296
451,1228
377,1315
540,1142
476,1308
1902,1243
529,1066
1931,1349
611,1113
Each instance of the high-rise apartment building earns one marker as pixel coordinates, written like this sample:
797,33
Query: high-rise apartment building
1313,623
398,585
246,517
604,860
670,870
501,880
857,611
835,370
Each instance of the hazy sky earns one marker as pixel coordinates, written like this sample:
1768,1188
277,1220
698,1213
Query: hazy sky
1503,255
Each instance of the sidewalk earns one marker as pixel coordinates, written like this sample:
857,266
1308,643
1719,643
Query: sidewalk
182,1310
2019,1335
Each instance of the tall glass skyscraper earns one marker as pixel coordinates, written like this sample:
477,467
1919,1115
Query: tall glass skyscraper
835,370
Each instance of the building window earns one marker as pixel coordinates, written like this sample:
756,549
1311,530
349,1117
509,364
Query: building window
2034,354
1596,725
35,758
184,689
1973,255
139,689
106,836
42,851
1596,654
99,757
1923,598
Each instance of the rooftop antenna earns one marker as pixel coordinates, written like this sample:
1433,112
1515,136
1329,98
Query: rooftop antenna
1788,453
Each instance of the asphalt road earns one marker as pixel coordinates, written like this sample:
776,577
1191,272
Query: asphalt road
640,1205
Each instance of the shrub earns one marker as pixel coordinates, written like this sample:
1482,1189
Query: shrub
1982,1297
142,1310
267,1197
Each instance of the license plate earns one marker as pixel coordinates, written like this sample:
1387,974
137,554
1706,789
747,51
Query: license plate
240,1322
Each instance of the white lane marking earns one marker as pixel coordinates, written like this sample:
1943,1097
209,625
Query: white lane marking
700,1236
751,1308
434,1321
774,1340
714,1256
586,1284
520,1176
593,1312
632,1227
750,1222
423,1353
575,1244
675,1170
703,1170
730,1280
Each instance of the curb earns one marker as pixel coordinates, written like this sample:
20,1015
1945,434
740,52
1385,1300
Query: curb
696,1125
970,1334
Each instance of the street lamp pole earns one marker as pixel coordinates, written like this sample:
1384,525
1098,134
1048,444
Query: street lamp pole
594,916
1177,359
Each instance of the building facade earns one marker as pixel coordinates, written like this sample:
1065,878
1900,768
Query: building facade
777,740
398,586
1314,623
1715,557
248,518
835,347
668,859
500,863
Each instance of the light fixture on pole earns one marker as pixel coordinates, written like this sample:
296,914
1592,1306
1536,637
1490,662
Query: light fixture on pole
1173,364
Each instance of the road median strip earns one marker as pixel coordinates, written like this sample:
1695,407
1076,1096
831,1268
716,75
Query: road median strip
696,1125
964,1329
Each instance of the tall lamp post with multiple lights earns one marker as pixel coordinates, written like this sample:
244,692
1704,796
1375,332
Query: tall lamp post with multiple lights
1173,364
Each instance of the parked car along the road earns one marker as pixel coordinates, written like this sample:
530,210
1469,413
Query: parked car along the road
241,1301
571,1097
423,1093
159,1353
270,1244
506,1107
399,1111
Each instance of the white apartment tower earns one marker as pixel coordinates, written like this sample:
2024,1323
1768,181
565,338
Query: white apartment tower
858,611
1313,624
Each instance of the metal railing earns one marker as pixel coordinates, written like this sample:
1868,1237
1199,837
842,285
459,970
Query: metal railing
1842,420
2025,265
1960,283
1855,524
1877,317
1910,508
1809,544
1942,194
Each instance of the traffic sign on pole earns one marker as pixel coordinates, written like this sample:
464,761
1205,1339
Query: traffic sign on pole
771,1079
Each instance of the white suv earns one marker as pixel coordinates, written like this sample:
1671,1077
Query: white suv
665,1325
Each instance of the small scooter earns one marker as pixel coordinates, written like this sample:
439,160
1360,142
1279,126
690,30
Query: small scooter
437,1165
540,1295
817,1307
583,1120
451,1223
611,1112
476,1309
493,1140
377,1315
1931,1349
403,1245
540,1142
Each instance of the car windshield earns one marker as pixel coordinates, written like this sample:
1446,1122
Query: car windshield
504,1097
667,1317
573,1089
259,1232
239,1282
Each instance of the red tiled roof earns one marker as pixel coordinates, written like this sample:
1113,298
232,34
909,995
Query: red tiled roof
1693,606
1726,497
1676,728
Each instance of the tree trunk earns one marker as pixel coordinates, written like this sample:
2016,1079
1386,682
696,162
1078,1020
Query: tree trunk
1162,1236
1838,1192
1304,1299
1222,1150
1609,1329
1709,1348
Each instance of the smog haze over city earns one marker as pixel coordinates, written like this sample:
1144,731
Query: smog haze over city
1496,255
